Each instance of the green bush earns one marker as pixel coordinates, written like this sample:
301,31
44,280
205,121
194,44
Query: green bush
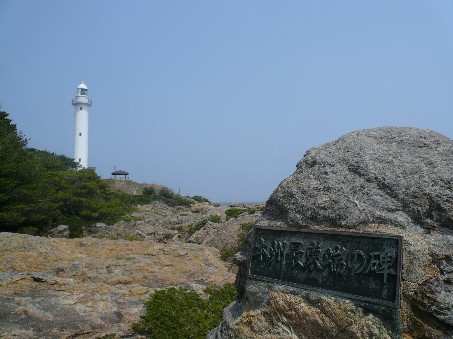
165,192
178,313
214,218
197,226
149,191
130,218
199,198
245,229
227,253
75,229
235,212
165,195
172,199
30,230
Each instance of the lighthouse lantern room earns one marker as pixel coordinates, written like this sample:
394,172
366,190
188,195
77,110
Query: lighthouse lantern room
81,103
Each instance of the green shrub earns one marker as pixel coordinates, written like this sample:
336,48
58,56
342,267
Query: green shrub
214,218
199,198
197,226
178,313
219,298
130,218
172,199
235,212
227,253
30,230
75,230
245,229
149,191
165,195
137,199
165,192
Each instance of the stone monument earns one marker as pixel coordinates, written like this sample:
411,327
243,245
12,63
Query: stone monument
389,183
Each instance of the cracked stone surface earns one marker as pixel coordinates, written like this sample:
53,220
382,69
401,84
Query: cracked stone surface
87,288
390,175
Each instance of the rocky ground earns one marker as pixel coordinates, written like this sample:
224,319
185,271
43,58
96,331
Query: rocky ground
92,287
158,222
96,286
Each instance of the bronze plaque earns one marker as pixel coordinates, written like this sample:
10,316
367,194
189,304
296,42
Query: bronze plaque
365,267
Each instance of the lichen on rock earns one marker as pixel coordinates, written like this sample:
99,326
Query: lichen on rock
91,288
390,175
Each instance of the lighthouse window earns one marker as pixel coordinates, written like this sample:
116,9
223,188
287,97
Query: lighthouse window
80,134
80,108
83,91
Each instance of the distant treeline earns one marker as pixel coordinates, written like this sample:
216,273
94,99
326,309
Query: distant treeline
40,190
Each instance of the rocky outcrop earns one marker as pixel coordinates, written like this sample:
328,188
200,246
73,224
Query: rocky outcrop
158,222
390,175
287,313
382,181
224,234
61,231
90,288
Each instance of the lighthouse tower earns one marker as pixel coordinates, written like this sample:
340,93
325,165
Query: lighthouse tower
81,103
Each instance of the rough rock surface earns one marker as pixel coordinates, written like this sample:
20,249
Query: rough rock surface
61,231
288,313
383,181
158,222
224,234
389,175
89,288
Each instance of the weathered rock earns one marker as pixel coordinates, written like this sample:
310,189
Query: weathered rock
289,313
61,231
159,222
382,181
59,288
390,175
224,234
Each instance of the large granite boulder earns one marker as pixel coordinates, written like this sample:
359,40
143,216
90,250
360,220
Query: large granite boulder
389,175
383,181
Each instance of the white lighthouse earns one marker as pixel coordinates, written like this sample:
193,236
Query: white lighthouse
81,103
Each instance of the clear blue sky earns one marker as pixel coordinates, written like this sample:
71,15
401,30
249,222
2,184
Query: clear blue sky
222,98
